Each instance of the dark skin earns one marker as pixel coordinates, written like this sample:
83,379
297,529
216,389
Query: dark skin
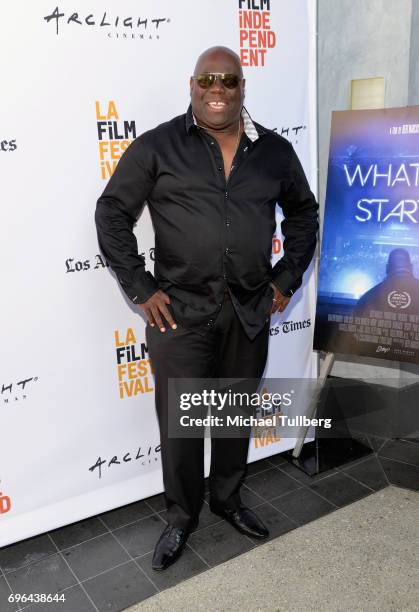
217,110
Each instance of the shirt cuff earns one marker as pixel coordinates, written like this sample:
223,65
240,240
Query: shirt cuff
140,291
286,283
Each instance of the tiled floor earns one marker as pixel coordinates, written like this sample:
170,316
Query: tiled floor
103,563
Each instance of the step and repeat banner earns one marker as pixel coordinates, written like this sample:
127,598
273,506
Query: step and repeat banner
368,292
78,429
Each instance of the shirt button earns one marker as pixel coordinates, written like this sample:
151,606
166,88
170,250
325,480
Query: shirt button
228,222
226,194
212,142
225,276
219,168
227,251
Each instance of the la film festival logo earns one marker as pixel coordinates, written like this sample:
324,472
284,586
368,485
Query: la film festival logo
265,435
256,34
135,374
114,136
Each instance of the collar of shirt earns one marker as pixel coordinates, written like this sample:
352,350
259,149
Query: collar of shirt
252,131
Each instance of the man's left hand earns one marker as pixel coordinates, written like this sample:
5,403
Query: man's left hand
280,301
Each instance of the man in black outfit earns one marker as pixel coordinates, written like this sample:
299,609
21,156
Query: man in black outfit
212,178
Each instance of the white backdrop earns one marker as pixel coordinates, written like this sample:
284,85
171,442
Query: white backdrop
71,446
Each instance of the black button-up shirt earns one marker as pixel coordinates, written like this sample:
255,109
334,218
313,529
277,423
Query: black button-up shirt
210,233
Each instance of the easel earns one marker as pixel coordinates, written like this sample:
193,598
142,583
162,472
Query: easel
323,453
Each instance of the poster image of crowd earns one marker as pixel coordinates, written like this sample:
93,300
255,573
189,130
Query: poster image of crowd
368,284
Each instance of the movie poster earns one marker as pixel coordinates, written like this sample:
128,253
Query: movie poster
368,287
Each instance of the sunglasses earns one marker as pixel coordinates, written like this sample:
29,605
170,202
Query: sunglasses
208,79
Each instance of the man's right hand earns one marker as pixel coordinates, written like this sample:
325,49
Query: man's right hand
156,311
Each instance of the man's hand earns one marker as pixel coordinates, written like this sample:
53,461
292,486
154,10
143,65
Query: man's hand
280,301
155,308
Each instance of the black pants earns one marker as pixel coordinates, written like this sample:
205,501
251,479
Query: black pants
224,352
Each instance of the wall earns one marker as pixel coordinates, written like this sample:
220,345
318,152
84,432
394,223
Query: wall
414,56
356,40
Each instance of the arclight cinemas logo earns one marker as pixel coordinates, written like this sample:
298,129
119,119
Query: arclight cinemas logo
142,27
13,391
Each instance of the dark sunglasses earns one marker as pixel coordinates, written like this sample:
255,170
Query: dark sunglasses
207,79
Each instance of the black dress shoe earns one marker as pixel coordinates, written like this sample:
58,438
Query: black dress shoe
169,547
243,519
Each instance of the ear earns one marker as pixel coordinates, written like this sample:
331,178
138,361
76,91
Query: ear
191,83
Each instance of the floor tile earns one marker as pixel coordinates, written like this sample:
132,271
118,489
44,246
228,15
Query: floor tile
50,575
5,605
119,588
401,474
400,450
28,551
274,520
339,489
206,517
376,443
127,514
77,532
250,498
156,502
303,505
188,565
97,555
277,459
301,476
141,537
369,472
349,464
76,600
219,542
258,466
271,483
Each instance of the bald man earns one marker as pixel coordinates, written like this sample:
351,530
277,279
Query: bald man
398,291
212,178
